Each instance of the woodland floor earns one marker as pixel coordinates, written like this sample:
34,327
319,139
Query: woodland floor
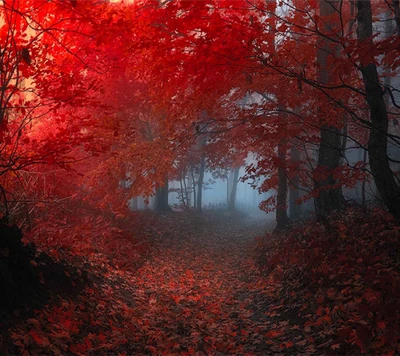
198,290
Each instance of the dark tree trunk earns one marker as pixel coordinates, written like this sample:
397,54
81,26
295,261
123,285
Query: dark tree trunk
228,188
294,193
281,200
364,182
330,196
182,195
161,200
377,144
232,193
396,8
194,188
387,79
186,190
199,202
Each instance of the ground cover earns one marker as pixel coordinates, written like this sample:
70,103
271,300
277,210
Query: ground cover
215,284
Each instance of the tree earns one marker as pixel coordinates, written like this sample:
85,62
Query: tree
176,63
377,143
161,199
202,169
45,99
233,190
45,95
329,153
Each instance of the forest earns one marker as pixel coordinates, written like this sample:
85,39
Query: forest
199,177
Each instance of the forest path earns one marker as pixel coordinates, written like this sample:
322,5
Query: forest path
200,292
179,284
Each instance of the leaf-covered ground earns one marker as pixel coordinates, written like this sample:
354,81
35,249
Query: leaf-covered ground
217,285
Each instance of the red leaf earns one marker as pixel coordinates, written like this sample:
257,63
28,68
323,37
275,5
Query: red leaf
35,337
273,334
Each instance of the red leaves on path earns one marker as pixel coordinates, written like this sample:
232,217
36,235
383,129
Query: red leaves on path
192,296
201,292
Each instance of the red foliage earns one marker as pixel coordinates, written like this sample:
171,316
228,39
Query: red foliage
343,275
132,87
331,288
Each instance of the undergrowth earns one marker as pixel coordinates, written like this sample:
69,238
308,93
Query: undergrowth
345,277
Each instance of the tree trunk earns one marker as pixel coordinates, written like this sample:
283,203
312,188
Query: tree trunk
364,182
232,193
387,80
281,199
396,8
330,197
161,200
194,187
377,143
186,190
294,193
182,195
199,206
228,187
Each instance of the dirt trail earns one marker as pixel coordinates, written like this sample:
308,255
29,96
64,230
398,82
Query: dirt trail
198,294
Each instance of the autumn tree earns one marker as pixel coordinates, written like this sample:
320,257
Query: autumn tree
159,92
43,84
384,178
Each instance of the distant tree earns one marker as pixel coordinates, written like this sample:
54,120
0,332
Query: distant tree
233,190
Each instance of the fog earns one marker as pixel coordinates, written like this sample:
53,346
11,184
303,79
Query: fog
215,196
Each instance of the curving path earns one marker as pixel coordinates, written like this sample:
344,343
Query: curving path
200,293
